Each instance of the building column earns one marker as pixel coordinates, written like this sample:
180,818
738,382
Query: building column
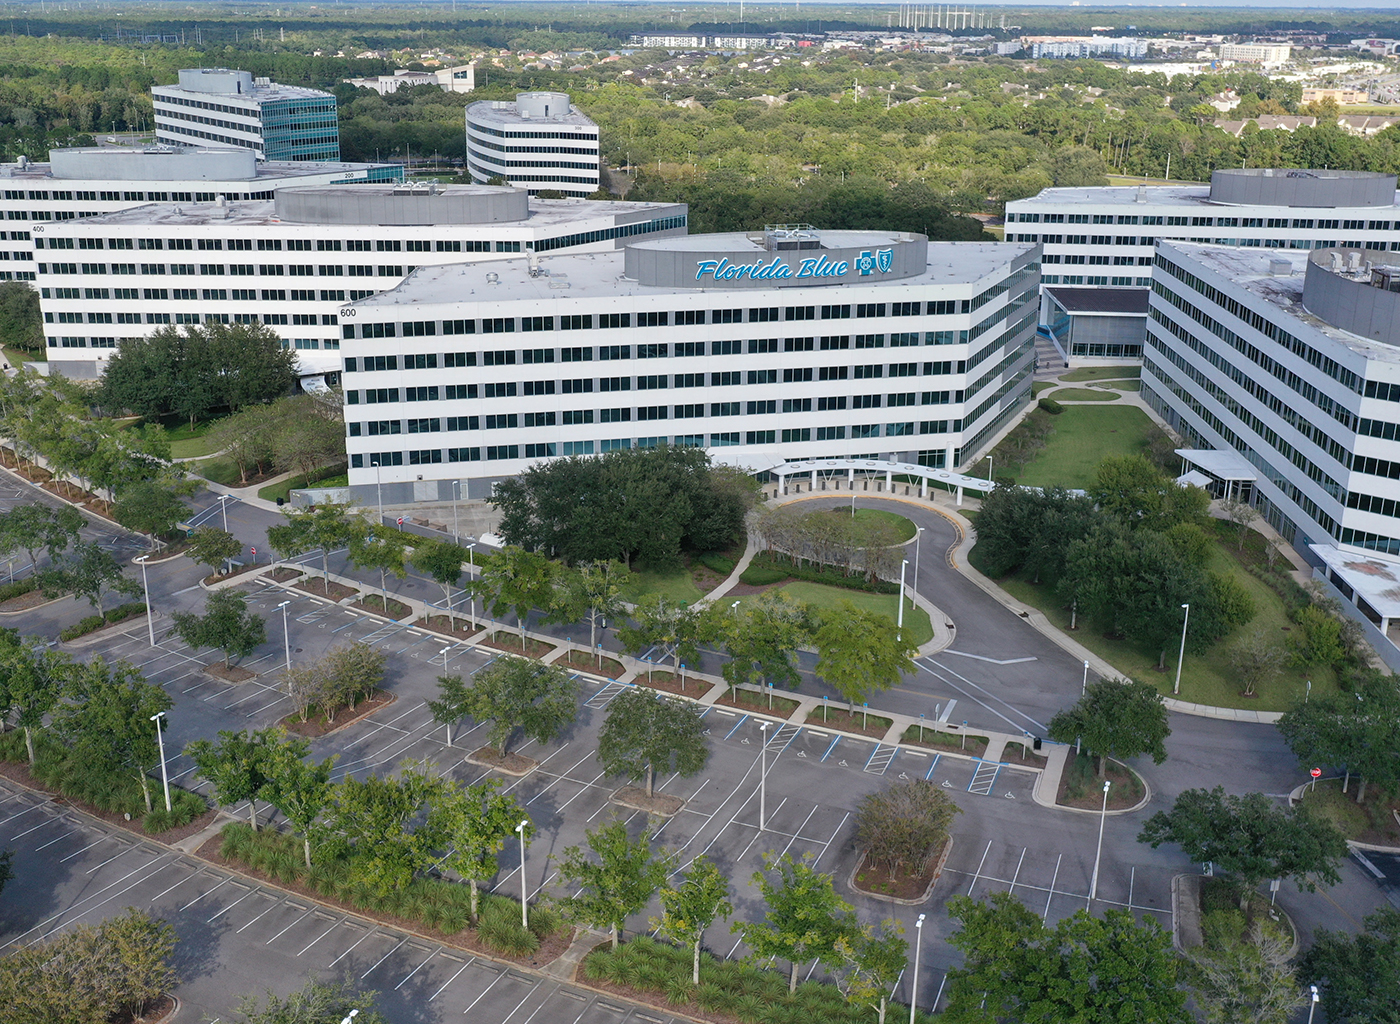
889,481
814,480
960,493
923,486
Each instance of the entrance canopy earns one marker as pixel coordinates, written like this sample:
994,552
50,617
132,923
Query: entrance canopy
1370,582
757,460
1222,465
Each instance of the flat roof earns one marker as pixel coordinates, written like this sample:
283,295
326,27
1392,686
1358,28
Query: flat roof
265,170
1156,195
1222,464
1250,269
599,275
1104,301
259,94
1375,580
505,112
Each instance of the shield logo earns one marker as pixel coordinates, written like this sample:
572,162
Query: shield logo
884,259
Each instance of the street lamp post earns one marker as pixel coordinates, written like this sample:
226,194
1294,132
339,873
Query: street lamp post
286,634
914,988
1312,1005
1103,816
763,777
350,1017
918,537
379,490
456,494
899,624
1084,688
524,895
471,562
734,608
223,508
1176,686
164,776
146,588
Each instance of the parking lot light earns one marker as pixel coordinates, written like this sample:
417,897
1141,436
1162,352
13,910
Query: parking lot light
1181,656
763,777
164,775
914,989
1103,816
524,895
1312,1006
350,1017
286,634
150,619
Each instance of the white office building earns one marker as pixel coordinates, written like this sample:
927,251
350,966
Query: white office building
540,142
459,79
293,261
1257,53
1281,371
1104,237
225,107
795,343
77,183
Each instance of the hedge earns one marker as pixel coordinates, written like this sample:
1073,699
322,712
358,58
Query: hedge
767,568
1051,406
17,589
92,623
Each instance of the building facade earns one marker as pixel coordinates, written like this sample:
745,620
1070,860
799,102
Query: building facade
539,143
79,183
1257,53
294,261
1281,371
1068,48
872,344
459,79
1104,237
232,108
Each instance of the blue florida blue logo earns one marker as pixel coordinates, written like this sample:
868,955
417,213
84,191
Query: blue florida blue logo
868,261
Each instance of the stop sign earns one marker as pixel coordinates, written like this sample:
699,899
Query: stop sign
1316,772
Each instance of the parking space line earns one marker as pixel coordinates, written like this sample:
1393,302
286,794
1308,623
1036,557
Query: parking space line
367,934
1017,873
740,722
386,956
835,740
110,859
931,767
333,927
979,867
488,988
416,969
203,894
828,843
799,829
450,980
560,778
12,817
586,787
235,903
36,828
518,1005
284,931
99,892
1051,895
85,849
177,885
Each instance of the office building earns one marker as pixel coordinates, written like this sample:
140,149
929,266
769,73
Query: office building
1095,323
1072,47
458,79
77,183
232,108
1281,372
540,142
798,343
1256,53
292,262
1104,237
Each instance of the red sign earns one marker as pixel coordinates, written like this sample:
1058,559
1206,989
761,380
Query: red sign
1316,772
400,520
255,551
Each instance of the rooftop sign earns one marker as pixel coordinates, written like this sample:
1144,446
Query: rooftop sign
683,265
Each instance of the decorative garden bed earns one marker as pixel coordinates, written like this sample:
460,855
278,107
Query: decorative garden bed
376,604
334,591
936,739
861,722
317,724
1081,787
505,641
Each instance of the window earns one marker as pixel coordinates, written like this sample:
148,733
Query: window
652,382
836,312
419,328
576,355
461,455
538,355
463,423
865,309
831,373
690,380
576,323
578,447
797,434
535,388
498,390
689,348
424,426
762,408
765,315
800,313
453,360
502,357
427,394
539,419
652,351
537,323
726,378
829,343
459,327
540,451
420,361
502,421
865,401
763,376
652,319
609,321
797,405
614,383
614,415
761,437
795,374
459,392
904,369
578,386
498,325
724,408
376,428
682,412
726,348
799,344
577,417
689,317
831,433
651,412
760,345
614,351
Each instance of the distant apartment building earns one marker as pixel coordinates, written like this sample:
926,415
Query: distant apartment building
732,41
1281,372
1342,96
458,79
1070,47
1256,53
80,183
539,142
226,107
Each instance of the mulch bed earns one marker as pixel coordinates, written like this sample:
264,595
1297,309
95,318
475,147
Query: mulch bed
635,797
691,1010
221,576
317,724
585,661
442,623
933,739
154,1012
375,603
24,602
283,574
231,674
845,721
1017,754
18,771
511,764
696,688
336,591
1125,792
879,879
747,700
503,641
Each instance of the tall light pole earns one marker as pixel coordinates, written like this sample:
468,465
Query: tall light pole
763,778
286,634
378,487
1084,687
223,508
914,989
918,537
1312,1008
456,494
471,561
1176,686
1103,816
164,776
146,587
524,895
899,623
350,1017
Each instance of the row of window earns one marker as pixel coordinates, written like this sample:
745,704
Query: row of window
211,295
1116,281
257,244
220,269
1204,222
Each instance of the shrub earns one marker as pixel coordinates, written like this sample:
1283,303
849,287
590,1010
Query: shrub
903,827
508,937
17,589
762,575
714,561
1051,406
767,568
82,627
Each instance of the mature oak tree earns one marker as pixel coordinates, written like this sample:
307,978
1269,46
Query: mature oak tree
1116,718
645,731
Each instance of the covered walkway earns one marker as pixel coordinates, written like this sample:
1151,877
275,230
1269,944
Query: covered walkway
858,474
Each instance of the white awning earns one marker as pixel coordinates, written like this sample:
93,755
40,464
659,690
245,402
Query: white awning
1222,465
314,385
1371,577
1194,478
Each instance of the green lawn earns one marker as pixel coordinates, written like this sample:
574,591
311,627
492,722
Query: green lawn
1043,385
819,595
1205,678
221,470
1084,436
1083,395
17,357
904,529
1102,373
1118,385
674,586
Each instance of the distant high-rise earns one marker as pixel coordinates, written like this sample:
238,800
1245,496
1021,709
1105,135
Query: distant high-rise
220,106
540,142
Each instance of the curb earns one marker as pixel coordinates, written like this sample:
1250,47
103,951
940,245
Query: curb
917,902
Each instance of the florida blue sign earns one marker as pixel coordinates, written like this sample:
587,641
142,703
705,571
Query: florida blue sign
809,267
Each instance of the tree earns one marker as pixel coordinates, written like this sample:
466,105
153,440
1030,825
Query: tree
1316,638
452,703
645,731
516,580
687,910
512,693
1251,837
905,825
1245,980
873,963
1078,166
477,823
21,323
1243,515
299,789
1116,718
625,876
805,917
860,653
762,638
226,625
150,508
672,629
596,589
379,548
1133,491
1357,731
212,547
1359,975
1113,970
443,562
322,526
374,819
236,767
35,677
314,1003
91,572
34,526
1256,659
351,671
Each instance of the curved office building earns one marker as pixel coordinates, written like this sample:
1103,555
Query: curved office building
540,142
